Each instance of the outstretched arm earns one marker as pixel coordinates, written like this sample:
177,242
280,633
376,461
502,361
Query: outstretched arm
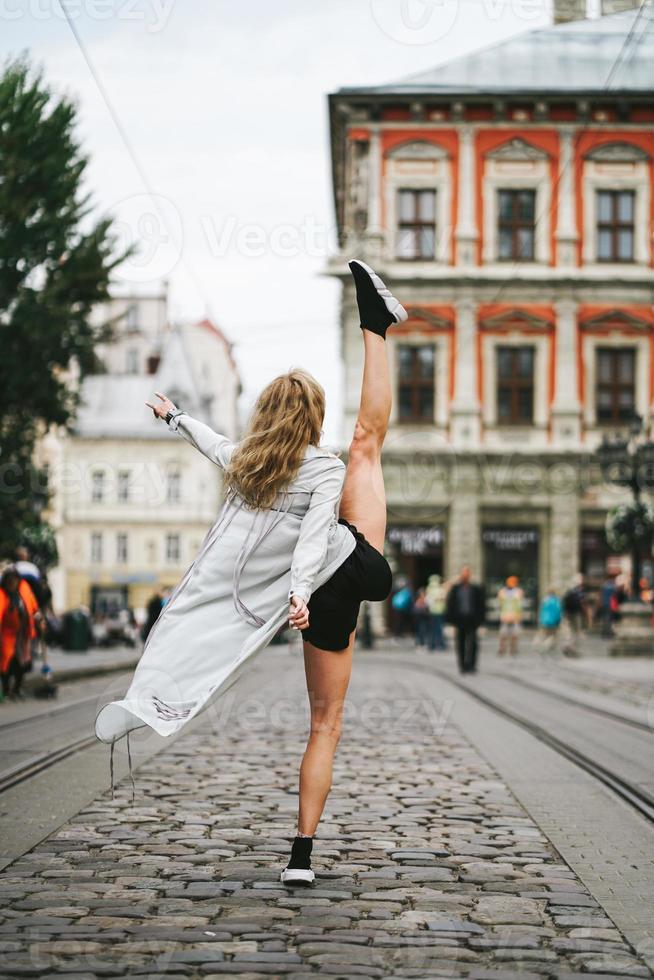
214,446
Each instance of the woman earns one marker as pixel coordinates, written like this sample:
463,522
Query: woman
18,611
278,552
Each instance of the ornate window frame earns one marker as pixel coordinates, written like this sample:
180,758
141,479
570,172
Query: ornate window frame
517,165
614,338
618,166
442,343
515,338
420,165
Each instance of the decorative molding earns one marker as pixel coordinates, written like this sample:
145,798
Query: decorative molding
429,317
418,150
513,318
618,152
612,318
516,149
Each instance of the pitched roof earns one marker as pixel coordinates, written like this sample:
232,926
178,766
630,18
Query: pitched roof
580,56
113,405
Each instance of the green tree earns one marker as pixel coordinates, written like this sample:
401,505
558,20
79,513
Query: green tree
55,266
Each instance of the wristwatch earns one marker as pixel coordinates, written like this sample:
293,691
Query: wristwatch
172,414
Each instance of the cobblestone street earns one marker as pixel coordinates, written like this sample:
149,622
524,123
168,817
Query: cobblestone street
426,864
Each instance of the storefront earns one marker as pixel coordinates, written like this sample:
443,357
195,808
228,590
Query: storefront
511,551
415,551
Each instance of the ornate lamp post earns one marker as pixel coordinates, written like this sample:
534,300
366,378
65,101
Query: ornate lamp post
628,461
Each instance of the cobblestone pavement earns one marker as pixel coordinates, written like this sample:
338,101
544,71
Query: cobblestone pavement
426,865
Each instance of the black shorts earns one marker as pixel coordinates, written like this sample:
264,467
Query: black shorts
334,606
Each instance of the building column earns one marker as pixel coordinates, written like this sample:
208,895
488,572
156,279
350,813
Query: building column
374,238
465,412
467,233
464,529
566,410
564,556
566,231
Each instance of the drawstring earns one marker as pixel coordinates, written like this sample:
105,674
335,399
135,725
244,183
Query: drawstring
129,763
111,769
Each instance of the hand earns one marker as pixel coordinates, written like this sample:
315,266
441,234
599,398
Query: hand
161,410
298,617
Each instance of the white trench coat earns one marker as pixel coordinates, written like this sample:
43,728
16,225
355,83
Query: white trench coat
234,597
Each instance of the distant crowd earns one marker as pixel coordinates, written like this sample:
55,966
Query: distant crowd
461,603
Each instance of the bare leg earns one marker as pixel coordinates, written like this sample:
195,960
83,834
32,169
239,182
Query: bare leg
328,676
363,502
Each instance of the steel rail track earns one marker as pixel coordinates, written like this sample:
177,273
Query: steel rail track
38,763
595,709
641,801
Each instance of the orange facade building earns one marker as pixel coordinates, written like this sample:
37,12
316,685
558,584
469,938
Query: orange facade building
508,199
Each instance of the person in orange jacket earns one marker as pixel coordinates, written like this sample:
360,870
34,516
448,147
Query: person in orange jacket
18,611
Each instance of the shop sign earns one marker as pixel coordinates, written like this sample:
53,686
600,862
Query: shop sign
510,539
415,540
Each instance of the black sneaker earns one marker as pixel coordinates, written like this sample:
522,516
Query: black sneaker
378,308
298,870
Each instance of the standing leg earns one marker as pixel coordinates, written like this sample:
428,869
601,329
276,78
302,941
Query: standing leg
461,648
328,675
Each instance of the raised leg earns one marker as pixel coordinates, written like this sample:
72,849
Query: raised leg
363,502
328,675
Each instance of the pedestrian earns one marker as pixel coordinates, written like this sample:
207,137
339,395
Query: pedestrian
511,602
549,620
421,618
466,610
436,599
606,606
576,613
402,606
18,614
154,607
278,552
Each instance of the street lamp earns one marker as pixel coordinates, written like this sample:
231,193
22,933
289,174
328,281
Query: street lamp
628,461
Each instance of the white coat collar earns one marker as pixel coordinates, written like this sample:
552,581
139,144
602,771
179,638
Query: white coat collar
313,451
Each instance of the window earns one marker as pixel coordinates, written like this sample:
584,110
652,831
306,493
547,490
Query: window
132,361
173,547
515,385
132,318
123,486
97,486
616,385
416,224
615,226
96,547
174,488
415,382
121,548
516,225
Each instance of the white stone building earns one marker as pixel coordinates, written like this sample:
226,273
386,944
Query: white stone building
132,500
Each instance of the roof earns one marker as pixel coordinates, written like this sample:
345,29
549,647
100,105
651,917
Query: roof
614,52
113,405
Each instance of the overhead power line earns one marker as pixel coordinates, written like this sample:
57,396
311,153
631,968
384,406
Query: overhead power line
138,166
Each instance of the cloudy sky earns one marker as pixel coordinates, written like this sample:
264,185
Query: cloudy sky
224,104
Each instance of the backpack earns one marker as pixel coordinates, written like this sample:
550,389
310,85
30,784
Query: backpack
402,601
572,601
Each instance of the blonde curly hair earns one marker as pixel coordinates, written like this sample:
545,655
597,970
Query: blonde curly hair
286,419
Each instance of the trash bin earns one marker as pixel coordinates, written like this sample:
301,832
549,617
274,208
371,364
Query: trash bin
76,631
